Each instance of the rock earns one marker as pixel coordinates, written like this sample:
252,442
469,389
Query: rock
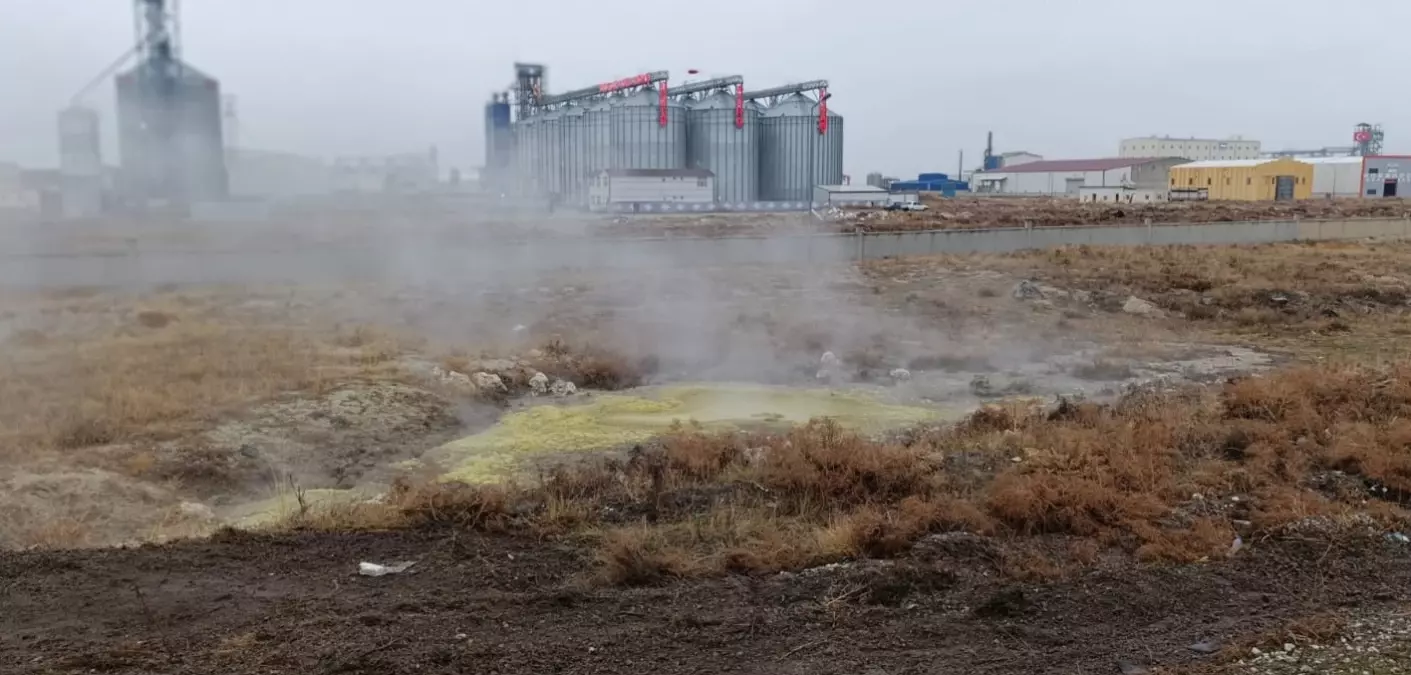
453,379
980,386
1140,307
488,382
900,374
1084,297
1129,668
1032,290
539,384
497,365
829,359
1027,290
196,511
1205,647
562,388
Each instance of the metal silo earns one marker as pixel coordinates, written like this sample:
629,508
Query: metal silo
80,163
642,139
169,133
526,153
793,155
573,141
597,136
723,131
551,169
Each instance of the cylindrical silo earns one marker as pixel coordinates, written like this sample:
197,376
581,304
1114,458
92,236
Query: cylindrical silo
80,163
723,146
793,155
597,136
574,154
526,154
551,169
640,139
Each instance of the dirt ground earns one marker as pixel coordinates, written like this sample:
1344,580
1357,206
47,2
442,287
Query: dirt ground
981,212
141,416
294,604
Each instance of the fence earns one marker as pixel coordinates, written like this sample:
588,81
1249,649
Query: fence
423,261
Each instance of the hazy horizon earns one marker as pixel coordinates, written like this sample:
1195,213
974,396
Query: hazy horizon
915,84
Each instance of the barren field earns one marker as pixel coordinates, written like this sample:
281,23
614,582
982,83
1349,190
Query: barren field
1086,460
456,226
977,212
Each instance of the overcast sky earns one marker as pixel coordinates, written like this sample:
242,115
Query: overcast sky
916,80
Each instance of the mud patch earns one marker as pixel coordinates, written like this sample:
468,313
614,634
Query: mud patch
348,437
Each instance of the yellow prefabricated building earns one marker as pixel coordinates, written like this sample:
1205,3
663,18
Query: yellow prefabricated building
1247,180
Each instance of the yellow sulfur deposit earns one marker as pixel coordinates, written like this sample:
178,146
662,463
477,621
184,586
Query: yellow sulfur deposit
608,421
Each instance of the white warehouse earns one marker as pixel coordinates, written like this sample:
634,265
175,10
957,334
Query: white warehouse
1336,176
617,189
1068,177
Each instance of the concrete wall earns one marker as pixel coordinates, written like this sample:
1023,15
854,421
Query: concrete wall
322,264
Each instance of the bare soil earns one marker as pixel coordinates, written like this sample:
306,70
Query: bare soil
982,212
245,603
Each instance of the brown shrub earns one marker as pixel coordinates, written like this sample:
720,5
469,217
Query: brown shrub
636,557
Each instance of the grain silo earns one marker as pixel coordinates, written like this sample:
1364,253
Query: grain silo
798,148
169,133
526,155
574,155
723,130
80,163
649,132
551,168
169,119
597,135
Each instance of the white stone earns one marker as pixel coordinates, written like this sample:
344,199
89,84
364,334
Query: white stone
539,384
562,388
1140,307
196,510
488,382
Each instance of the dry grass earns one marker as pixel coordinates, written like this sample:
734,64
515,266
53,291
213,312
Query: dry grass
161,380
1315,300
1165,477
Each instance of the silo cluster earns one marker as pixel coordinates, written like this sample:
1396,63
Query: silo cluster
770,146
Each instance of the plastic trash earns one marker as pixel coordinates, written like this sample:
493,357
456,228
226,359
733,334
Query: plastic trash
368,569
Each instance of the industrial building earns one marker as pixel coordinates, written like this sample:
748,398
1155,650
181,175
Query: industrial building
1194,149
1123,194
1384,175
1243,180
1335,177
930,182
850,195
1018,158
1067,177
276,175
633,189
764,149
